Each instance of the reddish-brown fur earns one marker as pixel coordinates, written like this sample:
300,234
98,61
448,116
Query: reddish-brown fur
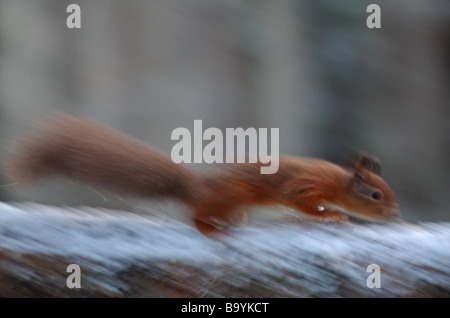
83,150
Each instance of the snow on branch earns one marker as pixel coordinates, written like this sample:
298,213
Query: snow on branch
127,255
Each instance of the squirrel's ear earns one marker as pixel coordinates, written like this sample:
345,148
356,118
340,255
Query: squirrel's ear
365,161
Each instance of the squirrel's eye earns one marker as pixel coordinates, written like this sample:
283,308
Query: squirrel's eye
376,195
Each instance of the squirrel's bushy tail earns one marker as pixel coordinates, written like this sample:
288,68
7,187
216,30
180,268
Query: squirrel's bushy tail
84,150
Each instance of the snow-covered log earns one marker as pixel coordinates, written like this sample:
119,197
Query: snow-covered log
127,255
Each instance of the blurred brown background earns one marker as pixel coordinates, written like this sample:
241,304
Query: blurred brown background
311,68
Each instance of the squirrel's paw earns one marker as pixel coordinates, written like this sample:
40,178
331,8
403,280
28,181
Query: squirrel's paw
335,217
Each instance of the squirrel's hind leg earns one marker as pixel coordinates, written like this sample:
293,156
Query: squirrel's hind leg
213,227
209,229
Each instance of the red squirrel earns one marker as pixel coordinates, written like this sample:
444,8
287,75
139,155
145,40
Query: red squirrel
86,151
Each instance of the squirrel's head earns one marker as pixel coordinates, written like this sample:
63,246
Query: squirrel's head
368,195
